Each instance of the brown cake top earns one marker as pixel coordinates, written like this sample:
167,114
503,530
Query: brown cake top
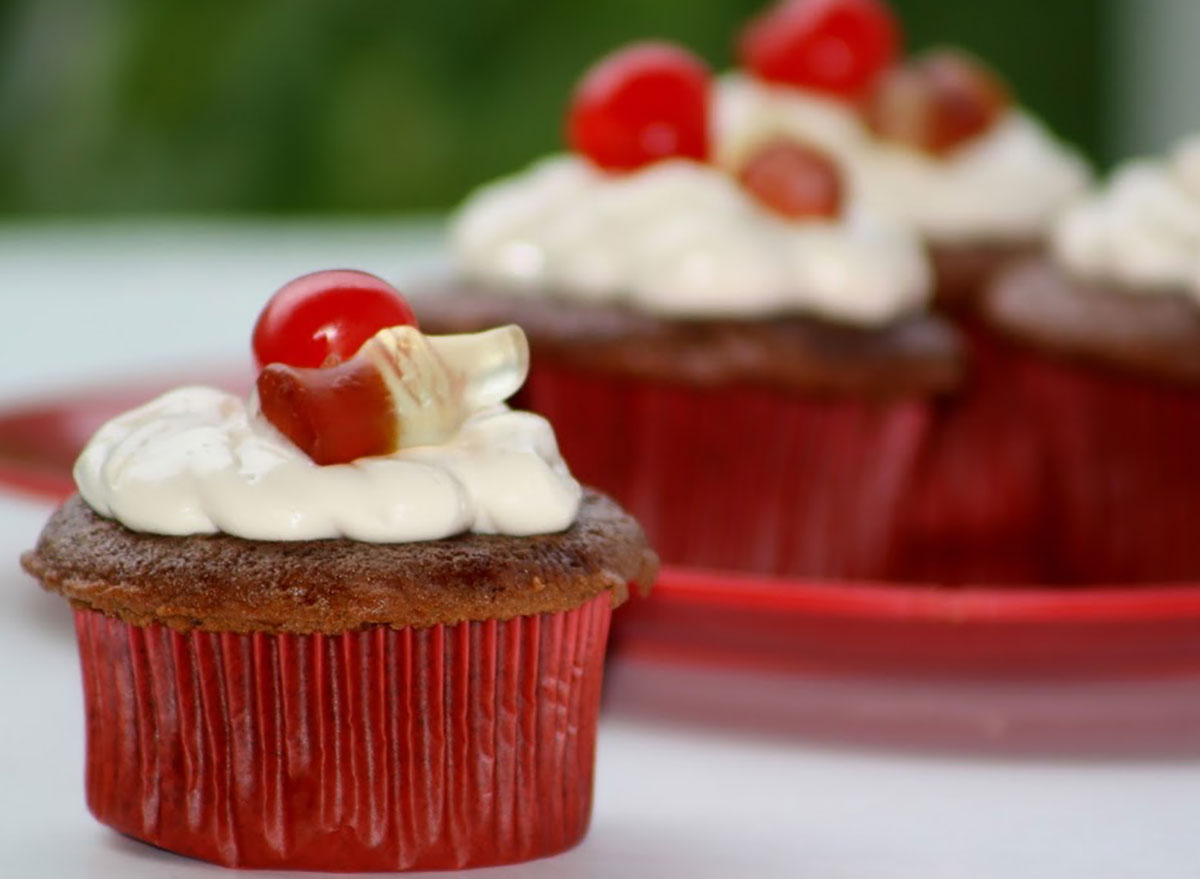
224,583
918,354
1040,303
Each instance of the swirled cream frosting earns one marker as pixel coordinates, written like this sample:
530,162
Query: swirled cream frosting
683,239
199,461
1142,230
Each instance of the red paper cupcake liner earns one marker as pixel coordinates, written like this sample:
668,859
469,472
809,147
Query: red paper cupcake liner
739,477
381,749
1122,469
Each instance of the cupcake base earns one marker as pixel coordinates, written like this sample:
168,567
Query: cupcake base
1123,470
1110,380
379,749
743,478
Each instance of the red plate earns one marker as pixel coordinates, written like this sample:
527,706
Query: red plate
914,631
856,628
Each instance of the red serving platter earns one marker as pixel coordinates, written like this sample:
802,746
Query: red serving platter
880,629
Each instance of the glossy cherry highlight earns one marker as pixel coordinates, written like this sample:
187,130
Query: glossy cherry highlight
640,105
793,179
937,102
323,318
839,47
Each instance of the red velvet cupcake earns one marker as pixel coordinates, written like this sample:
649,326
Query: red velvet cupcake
1106,335
744,359
356,624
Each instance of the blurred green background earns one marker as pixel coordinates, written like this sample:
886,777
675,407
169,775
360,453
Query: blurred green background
364,106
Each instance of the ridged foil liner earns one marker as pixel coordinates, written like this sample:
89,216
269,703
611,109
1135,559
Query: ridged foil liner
1123,472
380,749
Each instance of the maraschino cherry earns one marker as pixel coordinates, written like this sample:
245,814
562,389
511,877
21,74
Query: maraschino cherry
838,47
793,179
323,318
639,105
937,102
314,386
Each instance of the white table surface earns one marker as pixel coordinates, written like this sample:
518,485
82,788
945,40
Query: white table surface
674,797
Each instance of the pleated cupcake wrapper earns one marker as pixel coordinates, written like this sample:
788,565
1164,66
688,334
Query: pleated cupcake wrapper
742,478
381,749
1122,468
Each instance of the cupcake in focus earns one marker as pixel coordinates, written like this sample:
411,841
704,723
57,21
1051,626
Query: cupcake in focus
744,359
355,623
1109,323
935,140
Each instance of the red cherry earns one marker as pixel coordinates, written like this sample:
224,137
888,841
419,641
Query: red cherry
336,414
639,105
839,47
793,179
324,318
937,102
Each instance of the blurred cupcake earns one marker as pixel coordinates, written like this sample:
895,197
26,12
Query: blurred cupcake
936,141
1111,324
745,360
355,624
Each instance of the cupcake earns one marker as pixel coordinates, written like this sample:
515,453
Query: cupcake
1107,327
356,623
744,360
936,141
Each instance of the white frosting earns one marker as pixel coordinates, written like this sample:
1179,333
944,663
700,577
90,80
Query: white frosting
682,238
748,112
1008,184
1143,229
198,461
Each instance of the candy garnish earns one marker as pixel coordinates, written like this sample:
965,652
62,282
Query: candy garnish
401,389
937,102
839,47
323,318
333,414
793,179
639,105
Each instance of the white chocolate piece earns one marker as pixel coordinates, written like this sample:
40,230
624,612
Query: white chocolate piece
437,382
